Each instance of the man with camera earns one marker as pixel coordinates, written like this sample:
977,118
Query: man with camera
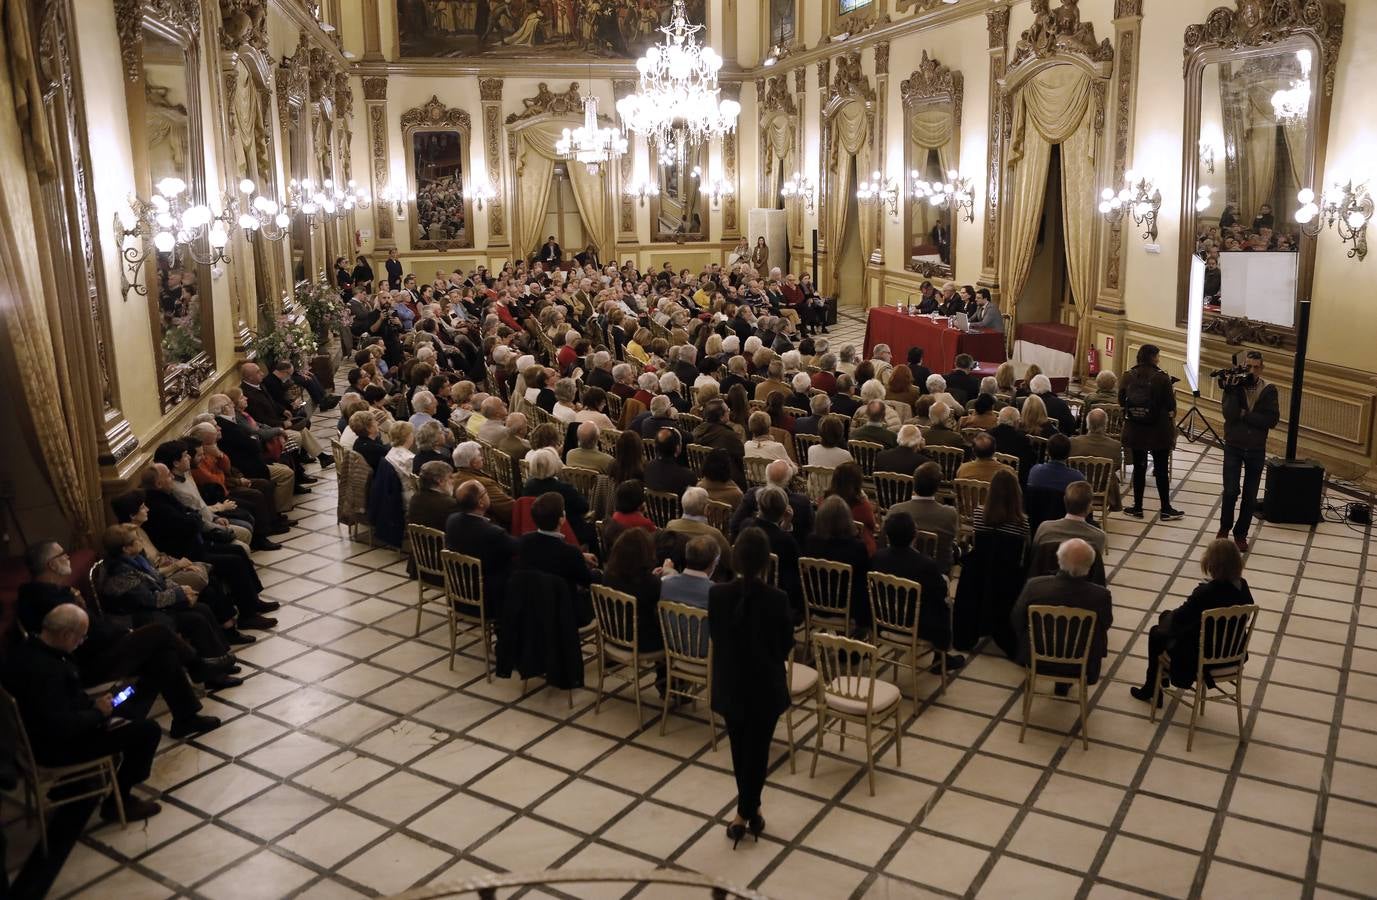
1251,409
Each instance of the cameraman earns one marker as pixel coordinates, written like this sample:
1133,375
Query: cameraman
1149,406
1251,409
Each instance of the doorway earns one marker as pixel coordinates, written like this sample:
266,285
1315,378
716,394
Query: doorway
1046,293
562,218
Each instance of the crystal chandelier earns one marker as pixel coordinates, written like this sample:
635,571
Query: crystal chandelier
677,103
1292,105
590,144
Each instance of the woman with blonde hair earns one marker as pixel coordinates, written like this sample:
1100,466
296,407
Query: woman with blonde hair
1035,419
1004,378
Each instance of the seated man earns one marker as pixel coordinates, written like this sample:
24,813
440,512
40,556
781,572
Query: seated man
1055,473
469,531
664,472
65,726
1069,587
1057,409
1011,439
780,474
433,503
874,430
693,521
907,455
690,587
546,550
1078,500
245,450
1097,442
984,466
943,432
587,455
930,515
268,411
901,558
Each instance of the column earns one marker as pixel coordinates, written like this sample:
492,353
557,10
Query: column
1128,18
877,255
626,169
490,94
731,226
997,24
379,173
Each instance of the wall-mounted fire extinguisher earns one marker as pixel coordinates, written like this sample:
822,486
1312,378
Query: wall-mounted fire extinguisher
1092,358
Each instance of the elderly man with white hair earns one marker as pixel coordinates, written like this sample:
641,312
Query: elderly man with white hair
661,414
881,360
1071,587
424,405
778,474
693,521
1057,408
468,464
906,455
244,447
494,427
943,431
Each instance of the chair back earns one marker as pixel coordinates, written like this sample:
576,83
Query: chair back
585,481
755,470
796,412
648,448
616,615
607,439
949,459
819,481
410,481
1077,407
864,453
1059,635
426,546
1039,444
1224,636
525,468
772,573
926,543
614,406
826,592
845,666
697,456
1096,469
970,496
538,415
463,579
685,629
1114,414
23,750
803,442
719,515
498,464
661,507
892,488
1008,459
688,422
894,605
970,434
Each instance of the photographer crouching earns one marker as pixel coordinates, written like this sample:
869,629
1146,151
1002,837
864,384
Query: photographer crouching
1251,409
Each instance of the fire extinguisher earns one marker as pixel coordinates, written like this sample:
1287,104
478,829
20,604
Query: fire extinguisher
1092,358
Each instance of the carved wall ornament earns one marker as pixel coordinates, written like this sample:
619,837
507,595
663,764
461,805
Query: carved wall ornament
375,88
489,89
1242,330
778,97
1060,31
824,76
1259,24
850,81
997,25
545,101
294,76
882,58
435,114
932,81
855,24
129,27
800,79
1127,9
244,23
922,6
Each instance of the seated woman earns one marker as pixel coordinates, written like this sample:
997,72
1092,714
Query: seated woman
762,444
993,573
774,408
401,455
630,568
1029,374
834,538
367,445
1178,631
848,483
430,446
901,386
628,504
717,478
628,458
545,466
831,451
1004,381
1035,419
566,395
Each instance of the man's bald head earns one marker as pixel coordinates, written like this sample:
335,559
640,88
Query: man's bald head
1075,557
588,436
779,472
64,627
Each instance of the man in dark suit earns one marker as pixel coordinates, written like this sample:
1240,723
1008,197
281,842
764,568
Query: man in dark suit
1069,587
928,514
901,558
820,405
1010,439
546,550
780,473
471,532
550,252
244,447
433,503
268,411
600,375
941,237
928,302
716,433
664,472
844,401
961,384
874,429
907,456
394,270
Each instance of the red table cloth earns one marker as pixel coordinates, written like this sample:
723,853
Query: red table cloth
1048,334
941,344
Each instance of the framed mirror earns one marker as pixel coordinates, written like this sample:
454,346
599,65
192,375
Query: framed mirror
250,136
437,141
679,212
931,99
1257,111
163,93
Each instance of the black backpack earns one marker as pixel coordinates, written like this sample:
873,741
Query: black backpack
1138,405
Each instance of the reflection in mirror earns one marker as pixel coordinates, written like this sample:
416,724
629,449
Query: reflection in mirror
251,153
439,166
1252,160
932,98
296,157
680,211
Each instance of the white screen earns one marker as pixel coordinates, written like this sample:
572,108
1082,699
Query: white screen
1195,305
1259,286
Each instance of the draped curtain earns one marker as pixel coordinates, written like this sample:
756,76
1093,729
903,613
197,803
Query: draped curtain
933,128
779,137
1260,157
55,389
535,164
849,139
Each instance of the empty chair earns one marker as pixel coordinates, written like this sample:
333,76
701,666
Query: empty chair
688,658
1059,642
464,591
892,488
894,607
847,693
1098,471
661,507
1224,636
618,627
426,546
864,453
803,686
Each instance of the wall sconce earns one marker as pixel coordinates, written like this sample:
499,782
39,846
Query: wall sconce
717,189
800,188
881,193
170,222
394,198
955,194
483,194
1207,155
1345,207
1140,197
641,189
262,215
327,201
1204,196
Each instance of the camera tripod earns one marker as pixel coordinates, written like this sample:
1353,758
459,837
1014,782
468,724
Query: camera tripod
1194,426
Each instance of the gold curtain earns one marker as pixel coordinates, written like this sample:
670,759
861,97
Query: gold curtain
535,164
1078,211
930,129
849,136
780,132
1260,165
55,395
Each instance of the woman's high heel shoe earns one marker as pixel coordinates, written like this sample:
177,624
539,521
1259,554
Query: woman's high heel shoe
756,826
735,832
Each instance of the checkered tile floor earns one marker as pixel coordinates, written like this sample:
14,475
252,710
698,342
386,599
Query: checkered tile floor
354,762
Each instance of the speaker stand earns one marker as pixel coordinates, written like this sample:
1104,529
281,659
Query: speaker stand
1194,426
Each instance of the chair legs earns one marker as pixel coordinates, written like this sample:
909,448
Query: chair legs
869,759
420,603
1085,719
1029,682
789,729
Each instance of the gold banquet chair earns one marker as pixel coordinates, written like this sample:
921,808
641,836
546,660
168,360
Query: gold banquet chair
464,591
895,605
688,673
1059,641
618,623
1224,636
848,693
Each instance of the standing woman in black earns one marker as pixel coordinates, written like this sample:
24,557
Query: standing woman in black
752,634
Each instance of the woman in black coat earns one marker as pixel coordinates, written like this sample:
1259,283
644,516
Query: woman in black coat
1178,630
752,634
1149,405
834,538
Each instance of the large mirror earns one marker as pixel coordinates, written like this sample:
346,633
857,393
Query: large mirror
163,94
1256,114
932,150
679,212
251,159
436,139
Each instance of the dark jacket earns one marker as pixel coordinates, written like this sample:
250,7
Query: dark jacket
38,598
173,528
1059,411
243,447
752,634
992,577
1159,433
575,506
668,476
537,632
646,590
1244,428
1182,625
57,713
934,615
264,409
1010,439
491,545
717,434
802,506
900,459
371,449
385,511
962,385
431,509
554,556
1063,590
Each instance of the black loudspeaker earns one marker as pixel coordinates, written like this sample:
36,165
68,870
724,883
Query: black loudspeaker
1293,491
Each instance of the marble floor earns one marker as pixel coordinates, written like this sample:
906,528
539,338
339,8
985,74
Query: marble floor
354,762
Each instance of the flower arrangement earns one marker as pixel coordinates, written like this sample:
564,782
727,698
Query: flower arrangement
286,337
322,305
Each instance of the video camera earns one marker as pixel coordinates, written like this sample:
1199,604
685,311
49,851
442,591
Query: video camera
1236,375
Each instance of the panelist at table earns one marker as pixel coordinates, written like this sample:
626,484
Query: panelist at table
987,315
940,342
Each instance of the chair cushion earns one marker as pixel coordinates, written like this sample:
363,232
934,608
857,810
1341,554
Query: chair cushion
804,681
623,655
886,695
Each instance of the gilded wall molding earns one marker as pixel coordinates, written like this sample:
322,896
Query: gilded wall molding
374,88
933,82
824,68
921,6
545,101
1059,32
626,167
997,29
775,95
800,79
882,58
851,82
490,94
435,114
730,226
1127,27
375,108
1256,23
